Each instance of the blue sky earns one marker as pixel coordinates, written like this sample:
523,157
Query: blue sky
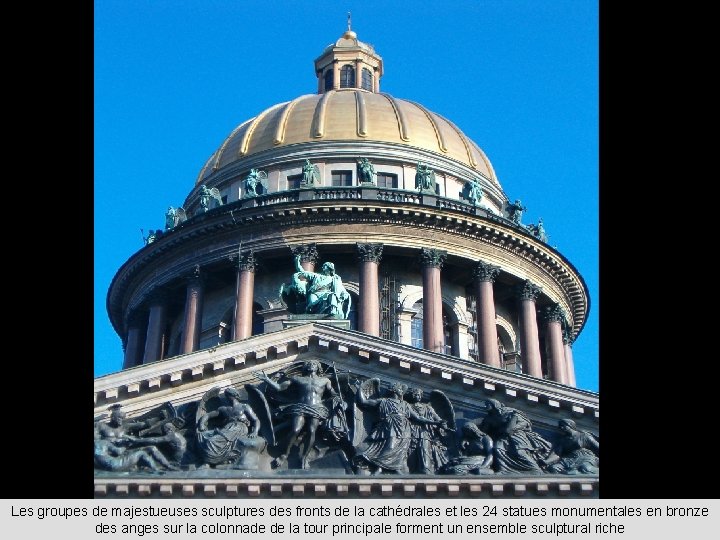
173,78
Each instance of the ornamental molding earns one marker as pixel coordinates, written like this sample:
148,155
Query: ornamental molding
357,487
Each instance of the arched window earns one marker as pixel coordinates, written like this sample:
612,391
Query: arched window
347,77
329,79
367,79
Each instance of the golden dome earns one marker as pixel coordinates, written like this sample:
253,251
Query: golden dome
349,114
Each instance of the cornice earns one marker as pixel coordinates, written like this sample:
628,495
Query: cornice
363,206
187,377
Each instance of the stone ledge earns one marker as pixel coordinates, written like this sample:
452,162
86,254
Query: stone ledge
321,488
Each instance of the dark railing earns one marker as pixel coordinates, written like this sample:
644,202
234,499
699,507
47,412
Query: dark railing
335,193
368,193
398,195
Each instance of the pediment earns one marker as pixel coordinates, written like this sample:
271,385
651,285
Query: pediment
183,381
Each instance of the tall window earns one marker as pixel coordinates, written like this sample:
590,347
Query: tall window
294,181
258,323
329,79
387,180
352,314
447,334
416,326
347,77
388,306
470,306
341,178
416,329
367,79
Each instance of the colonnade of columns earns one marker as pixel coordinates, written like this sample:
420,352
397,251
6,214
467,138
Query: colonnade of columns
147,346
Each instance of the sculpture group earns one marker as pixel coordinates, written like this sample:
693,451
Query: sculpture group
313,416
313,293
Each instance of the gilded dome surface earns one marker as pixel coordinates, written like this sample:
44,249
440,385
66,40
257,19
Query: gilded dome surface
349,114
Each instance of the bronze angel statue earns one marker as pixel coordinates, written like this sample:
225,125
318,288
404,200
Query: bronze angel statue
425,178
206,197
311,174
255,183
472,191
174,217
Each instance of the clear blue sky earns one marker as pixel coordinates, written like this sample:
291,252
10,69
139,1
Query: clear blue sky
173,78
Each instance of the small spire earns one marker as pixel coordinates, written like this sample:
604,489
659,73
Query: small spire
349,21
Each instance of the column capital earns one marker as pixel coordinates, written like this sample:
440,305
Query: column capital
195,276
432,257
135,318
553,313
528,291
157,296
307,252
486,272
248,262
369,252
567,336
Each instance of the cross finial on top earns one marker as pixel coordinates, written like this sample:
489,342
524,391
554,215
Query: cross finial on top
349,21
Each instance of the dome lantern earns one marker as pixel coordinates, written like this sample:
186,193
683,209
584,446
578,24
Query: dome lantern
349,63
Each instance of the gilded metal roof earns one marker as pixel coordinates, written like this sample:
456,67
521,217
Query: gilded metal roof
348,114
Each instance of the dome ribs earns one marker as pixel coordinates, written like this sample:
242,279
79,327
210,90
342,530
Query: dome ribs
204,169
361,115
485,159
284,115
471,157
219,153
245,143
318,123
400,116
428,114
